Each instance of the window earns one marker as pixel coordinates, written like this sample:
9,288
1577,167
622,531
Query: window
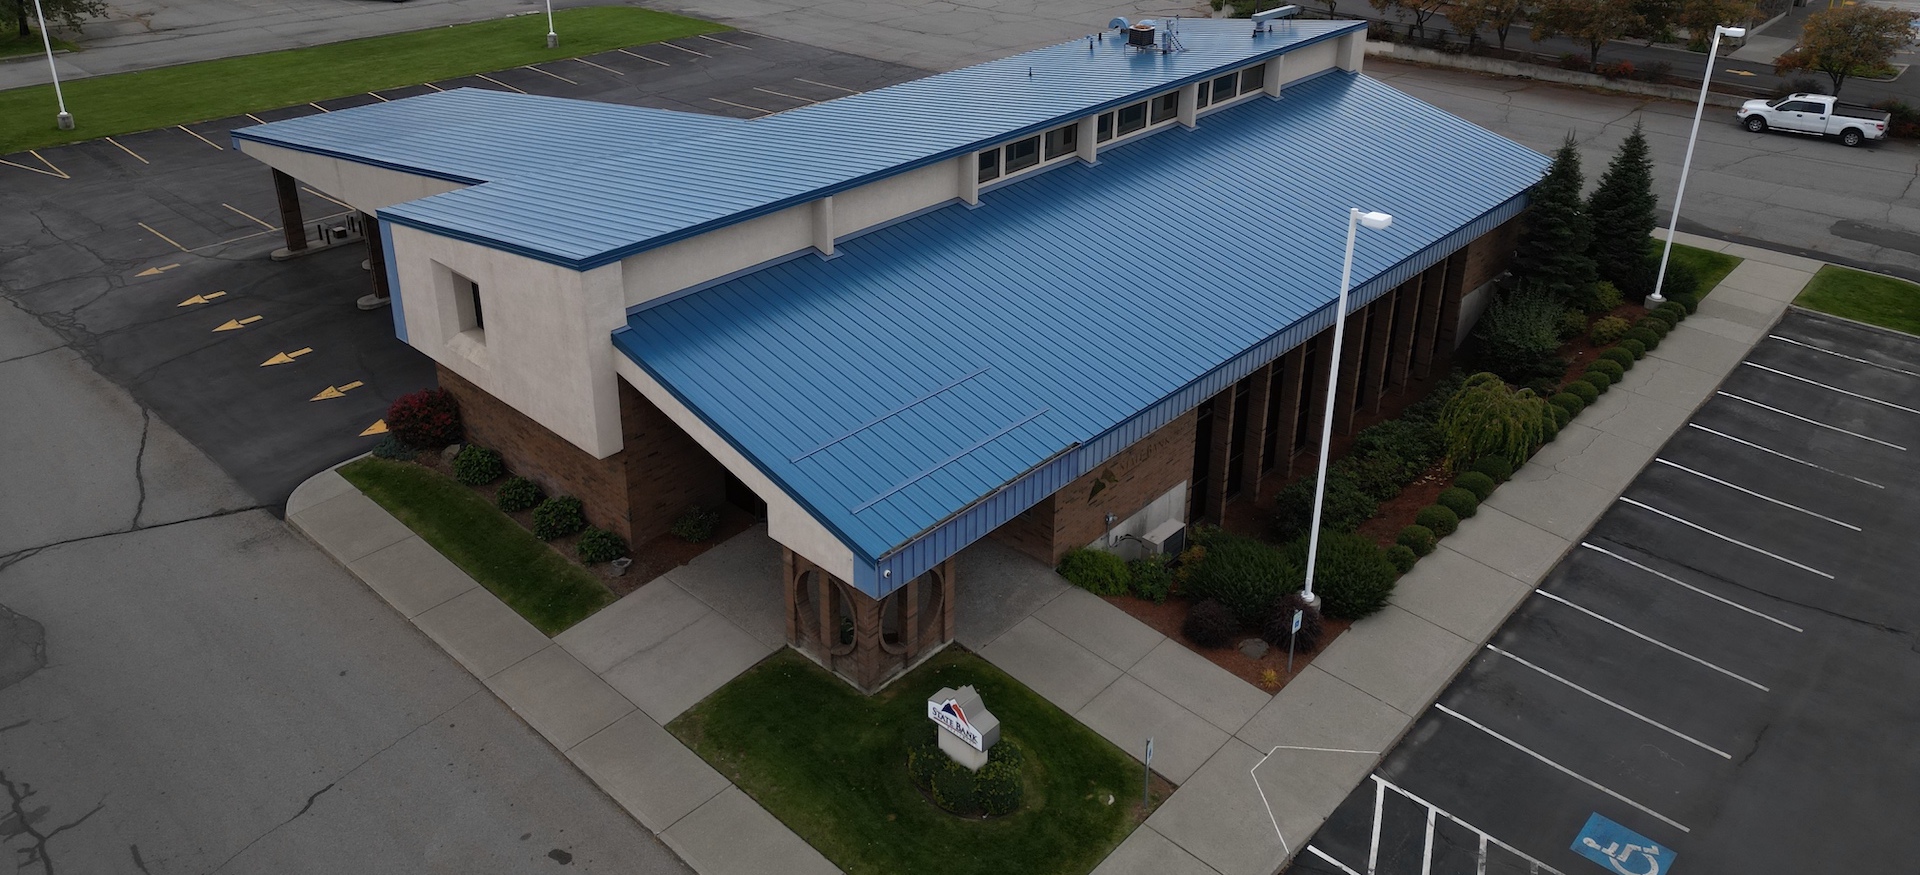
1223,87
1206,94
1800,106
1063,140
1133,118
1103,129
1023,154
989,165
1166,106
479,316
1253,78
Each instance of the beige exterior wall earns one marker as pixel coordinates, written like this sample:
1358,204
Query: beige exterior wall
366,187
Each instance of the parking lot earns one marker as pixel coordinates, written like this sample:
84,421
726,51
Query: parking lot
139,248
1718,678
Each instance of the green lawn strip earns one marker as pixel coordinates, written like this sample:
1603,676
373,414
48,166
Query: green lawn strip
13,45
546,589
1864,297
832,765
127,102
1710,266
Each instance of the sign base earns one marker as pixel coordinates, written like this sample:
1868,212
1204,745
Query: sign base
961,752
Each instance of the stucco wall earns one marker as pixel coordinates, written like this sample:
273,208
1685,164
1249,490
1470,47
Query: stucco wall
366,187
675,266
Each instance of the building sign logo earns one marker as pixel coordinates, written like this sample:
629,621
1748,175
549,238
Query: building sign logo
953,718
964,717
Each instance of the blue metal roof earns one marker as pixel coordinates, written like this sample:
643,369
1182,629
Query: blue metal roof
941,374
474,135
592,211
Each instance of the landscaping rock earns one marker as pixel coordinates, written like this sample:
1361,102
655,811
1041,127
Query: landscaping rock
1253,648
452,450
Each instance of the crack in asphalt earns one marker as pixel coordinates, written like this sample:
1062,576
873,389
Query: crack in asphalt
9,559
140,467
23,825
29,355
1643,551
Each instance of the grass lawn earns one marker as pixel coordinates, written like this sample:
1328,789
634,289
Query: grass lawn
509,561
1710,266
127,102
1866,297
14,45
832,764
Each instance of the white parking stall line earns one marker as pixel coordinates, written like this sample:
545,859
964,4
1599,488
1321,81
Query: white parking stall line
1809,421
1843,355
1736,541
499,83
684,49
1655,641
1675,580
1849,394
1330,861
722,42
825,85
642,57
1379,809
549,73
1381,785
1617,706
1426,852
1773,452
1562,769
785,95
600,66
742,106
1705,476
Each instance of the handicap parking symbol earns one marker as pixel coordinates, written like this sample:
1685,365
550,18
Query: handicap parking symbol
1618,849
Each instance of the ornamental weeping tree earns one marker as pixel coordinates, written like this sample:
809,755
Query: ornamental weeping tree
1553,250
1622,211
1489,418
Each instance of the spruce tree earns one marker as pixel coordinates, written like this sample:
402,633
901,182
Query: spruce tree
1622,210
1553,248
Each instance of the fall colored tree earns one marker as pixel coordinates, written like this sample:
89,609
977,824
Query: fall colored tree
1469,16
1700,17
1421,10
1849,40
1594,22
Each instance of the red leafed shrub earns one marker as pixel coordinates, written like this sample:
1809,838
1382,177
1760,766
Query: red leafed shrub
1621,70
427,419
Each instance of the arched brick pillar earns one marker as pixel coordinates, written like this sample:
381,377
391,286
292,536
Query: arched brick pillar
865,640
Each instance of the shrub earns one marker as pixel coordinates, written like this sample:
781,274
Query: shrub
1681,280
1278,630
1519,336
1598,380
1560,416
1690,303
599,545
1401,558
1635,347
1493,466
1486,418
1411,439
1585,391
1245,576
1150,579
1602,297
428,419
1353,577
1346,507
1550,424
390,447
1210,624
1678,312
1655,323
1462,502
1573,323
1477,483
1378,476
696,525
558,517
1095,571
1426,411
1621,357
1568,402
1440,520
996,789
1616,70
477,466
517,494
1418,538
1608,330
1611,368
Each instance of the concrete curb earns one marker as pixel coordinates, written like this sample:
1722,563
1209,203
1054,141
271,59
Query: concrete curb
1517,70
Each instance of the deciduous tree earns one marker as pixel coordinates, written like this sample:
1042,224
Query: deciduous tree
1846,41
1469,16
1421,10
68,12
1700,17
1594,22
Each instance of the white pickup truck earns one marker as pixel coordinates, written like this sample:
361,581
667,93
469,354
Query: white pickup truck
1815,114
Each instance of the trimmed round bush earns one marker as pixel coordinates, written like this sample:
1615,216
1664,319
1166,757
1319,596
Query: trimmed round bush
1608,330
1583,390
599,545
1568,402
1401,557
696,525
428,419
1096,571
1598,380
518,494
1621,357
477,466
996,789
558,517
1611,368
1244,575
1352,577
1210,624
1603,297
1675,310
1418,538
1278,630
1573,323
1681,280
1477,483
1550,427
1150,579
390,447
1440,520
1493,466
1636,347
1561,416
1463,503
1655,323
1690,302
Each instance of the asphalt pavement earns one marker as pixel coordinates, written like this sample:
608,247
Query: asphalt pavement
1717,669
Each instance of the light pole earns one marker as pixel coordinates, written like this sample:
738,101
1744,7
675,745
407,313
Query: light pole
1673,227
553,39
64,119
1355,218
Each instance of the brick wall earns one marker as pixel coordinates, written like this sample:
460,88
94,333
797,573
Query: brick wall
668,473
1031,532
1489,255
1131,480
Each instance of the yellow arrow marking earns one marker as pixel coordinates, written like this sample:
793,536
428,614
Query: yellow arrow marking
336,391
156,271
232,324
1742,72
201,299
286,358
379,426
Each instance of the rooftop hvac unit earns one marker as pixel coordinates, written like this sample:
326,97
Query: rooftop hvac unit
1141,35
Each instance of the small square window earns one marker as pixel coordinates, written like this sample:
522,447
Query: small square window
1253,78
989,165
1103,129
1133,118
1063,140
1022,154
1223,87
1166,106
1206,95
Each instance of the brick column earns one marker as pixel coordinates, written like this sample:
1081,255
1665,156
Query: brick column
1343,402
1255,458
376,258
1293,366
1427,333
291,224
1220,444
1406,315
1316,390
1449,327
1379,343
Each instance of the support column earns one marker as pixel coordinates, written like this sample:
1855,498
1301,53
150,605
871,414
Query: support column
1406,314
1292,366
1255,457
1220,444
1427,333
879,651
1316,390
292,225
1350,351
1449,327
1379,343
376,265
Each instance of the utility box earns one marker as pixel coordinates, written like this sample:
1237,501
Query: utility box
1141,36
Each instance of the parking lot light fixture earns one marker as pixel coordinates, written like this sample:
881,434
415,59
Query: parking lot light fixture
553,39
64,119
1673,227
1375,221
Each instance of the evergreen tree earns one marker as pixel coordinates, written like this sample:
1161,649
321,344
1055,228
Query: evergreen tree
1553,249
1622,212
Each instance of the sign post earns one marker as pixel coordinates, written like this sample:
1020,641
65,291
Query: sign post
1146,777
1292,634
